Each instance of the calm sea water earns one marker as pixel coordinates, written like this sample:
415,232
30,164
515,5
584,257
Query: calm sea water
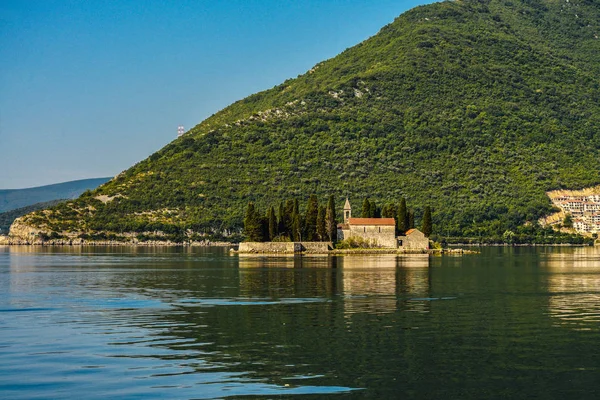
510,323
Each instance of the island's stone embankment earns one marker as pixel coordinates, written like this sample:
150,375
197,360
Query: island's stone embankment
284,247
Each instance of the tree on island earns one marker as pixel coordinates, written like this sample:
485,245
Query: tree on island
296,228
288,220
312,212
252,224
389,211
402,217
281,220
411,219
272,223
427,225
321,231
330,222
373,210
366,208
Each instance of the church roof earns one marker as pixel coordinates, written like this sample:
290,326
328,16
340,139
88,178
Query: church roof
347,205
371,221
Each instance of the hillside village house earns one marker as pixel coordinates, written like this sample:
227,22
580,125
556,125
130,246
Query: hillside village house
380,231
585,211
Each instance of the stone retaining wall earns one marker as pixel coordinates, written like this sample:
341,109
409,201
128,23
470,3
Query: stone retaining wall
284,247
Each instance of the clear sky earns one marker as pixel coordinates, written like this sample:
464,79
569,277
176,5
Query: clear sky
89,88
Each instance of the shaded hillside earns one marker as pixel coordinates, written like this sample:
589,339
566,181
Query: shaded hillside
11,199
474,107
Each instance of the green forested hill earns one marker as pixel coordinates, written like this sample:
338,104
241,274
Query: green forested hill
475,107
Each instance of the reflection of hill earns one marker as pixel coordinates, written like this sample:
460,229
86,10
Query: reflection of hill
574,283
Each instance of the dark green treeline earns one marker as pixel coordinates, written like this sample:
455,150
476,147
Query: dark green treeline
317,224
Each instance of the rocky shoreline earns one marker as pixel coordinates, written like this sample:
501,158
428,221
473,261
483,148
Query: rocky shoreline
14,241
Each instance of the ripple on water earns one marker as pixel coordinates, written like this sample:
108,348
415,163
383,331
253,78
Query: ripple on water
247,301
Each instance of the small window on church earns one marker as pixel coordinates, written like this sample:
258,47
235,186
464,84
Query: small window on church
379,229
365,229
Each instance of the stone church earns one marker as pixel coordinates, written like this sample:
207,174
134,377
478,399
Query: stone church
379,231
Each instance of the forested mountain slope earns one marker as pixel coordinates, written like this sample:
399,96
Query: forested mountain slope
476,108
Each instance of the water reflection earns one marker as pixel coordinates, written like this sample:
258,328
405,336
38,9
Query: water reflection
366,283
574,285
191,324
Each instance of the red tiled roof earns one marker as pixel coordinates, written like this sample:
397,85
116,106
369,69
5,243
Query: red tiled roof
372,221
408,232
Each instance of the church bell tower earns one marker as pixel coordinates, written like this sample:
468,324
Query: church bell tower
347,211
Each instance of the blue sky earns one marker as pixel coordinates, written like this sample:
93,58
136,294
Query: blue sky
89,88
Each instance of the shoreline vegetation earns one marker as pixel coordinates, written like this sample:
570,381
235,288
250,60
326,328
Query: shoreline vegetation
451,248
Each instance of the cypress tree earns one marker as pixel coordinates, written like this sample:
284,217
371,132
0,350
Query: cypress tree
296,228
330,222
411,219
252,224
312,213
372,210
281,220
288,220
389,211
272,224
427,225
321,231
264,227
402,220
366,208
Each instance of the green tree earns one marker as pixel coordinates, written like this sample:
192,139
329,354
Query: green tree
272,223
296,228
427,224
312,213
411,219
281,219
402,217
372,209
366,209
568,221
330,220
321,230
389,211
252,224
288,221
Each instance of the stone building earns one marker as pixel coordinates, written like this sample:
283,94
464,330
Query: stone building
379,231
413,239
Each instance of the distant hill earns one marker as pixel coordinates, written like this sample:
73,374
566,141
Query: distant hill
474,107
11,199
7,217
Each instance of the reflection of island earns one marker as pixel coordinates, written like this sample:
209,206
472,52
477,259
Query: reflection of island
574,284
378,284
367,283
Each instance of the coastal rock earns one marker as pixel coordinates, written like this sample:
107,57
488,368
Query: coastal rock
23,231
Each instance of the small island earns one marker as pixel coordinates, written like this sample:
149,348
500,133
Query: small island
387,230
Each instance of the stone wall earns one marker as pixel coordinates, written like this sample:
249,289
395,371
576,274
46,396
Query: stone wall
284,247
316,247
383,235
414,241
